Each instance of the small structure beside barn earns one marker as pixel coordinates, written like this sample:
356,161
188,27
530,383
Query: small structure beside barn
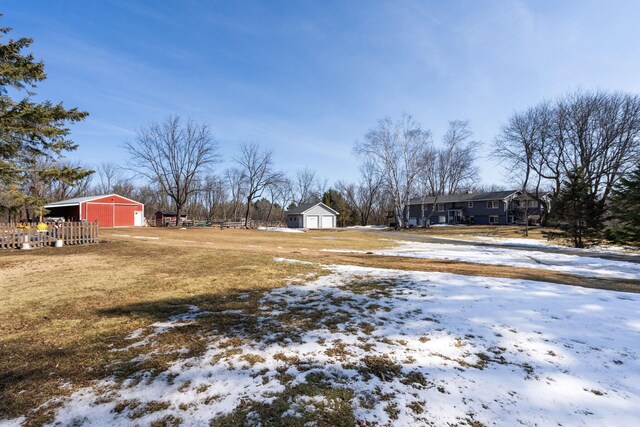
109,210
168,219
311,215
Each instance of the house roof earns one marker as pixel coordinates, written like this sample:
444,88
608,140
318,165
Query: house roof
303,207
77,200
472,197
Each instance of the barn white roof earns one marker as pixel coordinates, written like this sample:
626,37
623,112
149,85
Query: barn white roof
77,200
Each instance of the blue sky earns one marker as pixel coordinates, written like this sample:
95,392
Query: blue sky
308,79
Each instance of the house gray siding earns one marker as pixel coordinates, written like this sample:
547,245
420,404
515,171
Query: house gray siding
294,221
508,211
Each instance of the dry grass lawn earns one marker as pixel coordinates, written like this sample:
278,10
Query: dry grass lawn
472,232
65,309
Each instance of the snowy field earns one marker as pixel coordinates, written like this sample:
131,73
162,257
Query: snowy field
572,264
539,243
394,348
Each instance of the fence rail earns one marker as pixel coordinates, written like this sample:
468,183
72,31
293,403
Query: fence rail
13,236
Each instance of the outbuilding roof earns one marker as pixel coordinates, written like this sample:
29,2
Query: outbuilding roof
77,200
467,197
167,213
303,207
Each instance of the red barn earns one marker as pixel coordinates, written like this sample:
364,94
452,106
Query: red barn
109,210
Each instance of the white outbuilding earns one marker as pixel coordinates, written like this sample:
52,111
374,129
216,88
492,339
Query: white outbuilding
311,215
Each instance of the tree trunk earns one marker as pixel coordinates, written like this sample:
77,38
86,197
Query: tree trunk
246,216
178,209
269,213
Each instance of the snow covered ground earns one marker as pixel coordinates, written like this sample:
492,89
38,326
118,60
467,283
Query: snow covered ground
397,348
281,229
539,243
573,264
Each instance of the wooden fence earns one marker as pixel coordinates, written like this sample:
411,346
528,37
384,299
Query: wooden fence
12,236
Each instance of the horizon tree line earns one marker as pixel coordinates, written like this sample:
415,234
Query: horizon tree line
583,145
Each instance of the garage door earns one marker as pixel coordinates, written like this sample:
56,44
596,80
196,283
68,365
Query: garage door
312,221
327,221
124,215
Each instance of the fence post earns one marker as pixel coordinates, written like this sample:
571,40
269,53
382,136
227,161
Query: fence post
67,233
25,236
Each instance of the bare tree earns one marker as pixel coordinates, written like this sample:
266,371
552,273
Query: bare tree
525,147
108,176
174,155
451,168
236,181
457,159
598,132
61,189
257,167
283,193
395,148
213,195
309,186
153,197
362,197
304,184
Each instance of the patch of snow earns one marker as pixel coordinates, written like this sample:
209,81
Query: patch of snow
457,348
513,241
282,229
370,227
16,422
565,263
293,261
539,243
158,328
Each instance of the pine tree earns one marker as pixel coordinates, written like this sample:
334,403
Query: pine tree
30,131
576,209
335,200
625,208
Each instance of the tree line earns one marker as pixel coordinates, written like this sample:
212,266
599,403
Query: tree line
582,149
577,155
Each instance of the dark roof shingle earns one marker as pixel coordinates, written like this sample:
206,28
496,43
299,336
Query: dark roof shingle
471,197
303,207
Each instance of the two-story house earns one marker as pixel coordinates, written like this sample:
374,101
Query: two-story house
490,208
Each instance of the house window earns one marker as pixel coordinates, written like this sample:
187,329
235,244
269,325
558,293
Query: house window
470,204
493,219
440,207
492,204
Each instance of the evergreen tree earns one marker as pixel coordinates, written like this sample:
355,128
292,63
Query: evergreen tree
576,209
625,208
30,131
336,201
